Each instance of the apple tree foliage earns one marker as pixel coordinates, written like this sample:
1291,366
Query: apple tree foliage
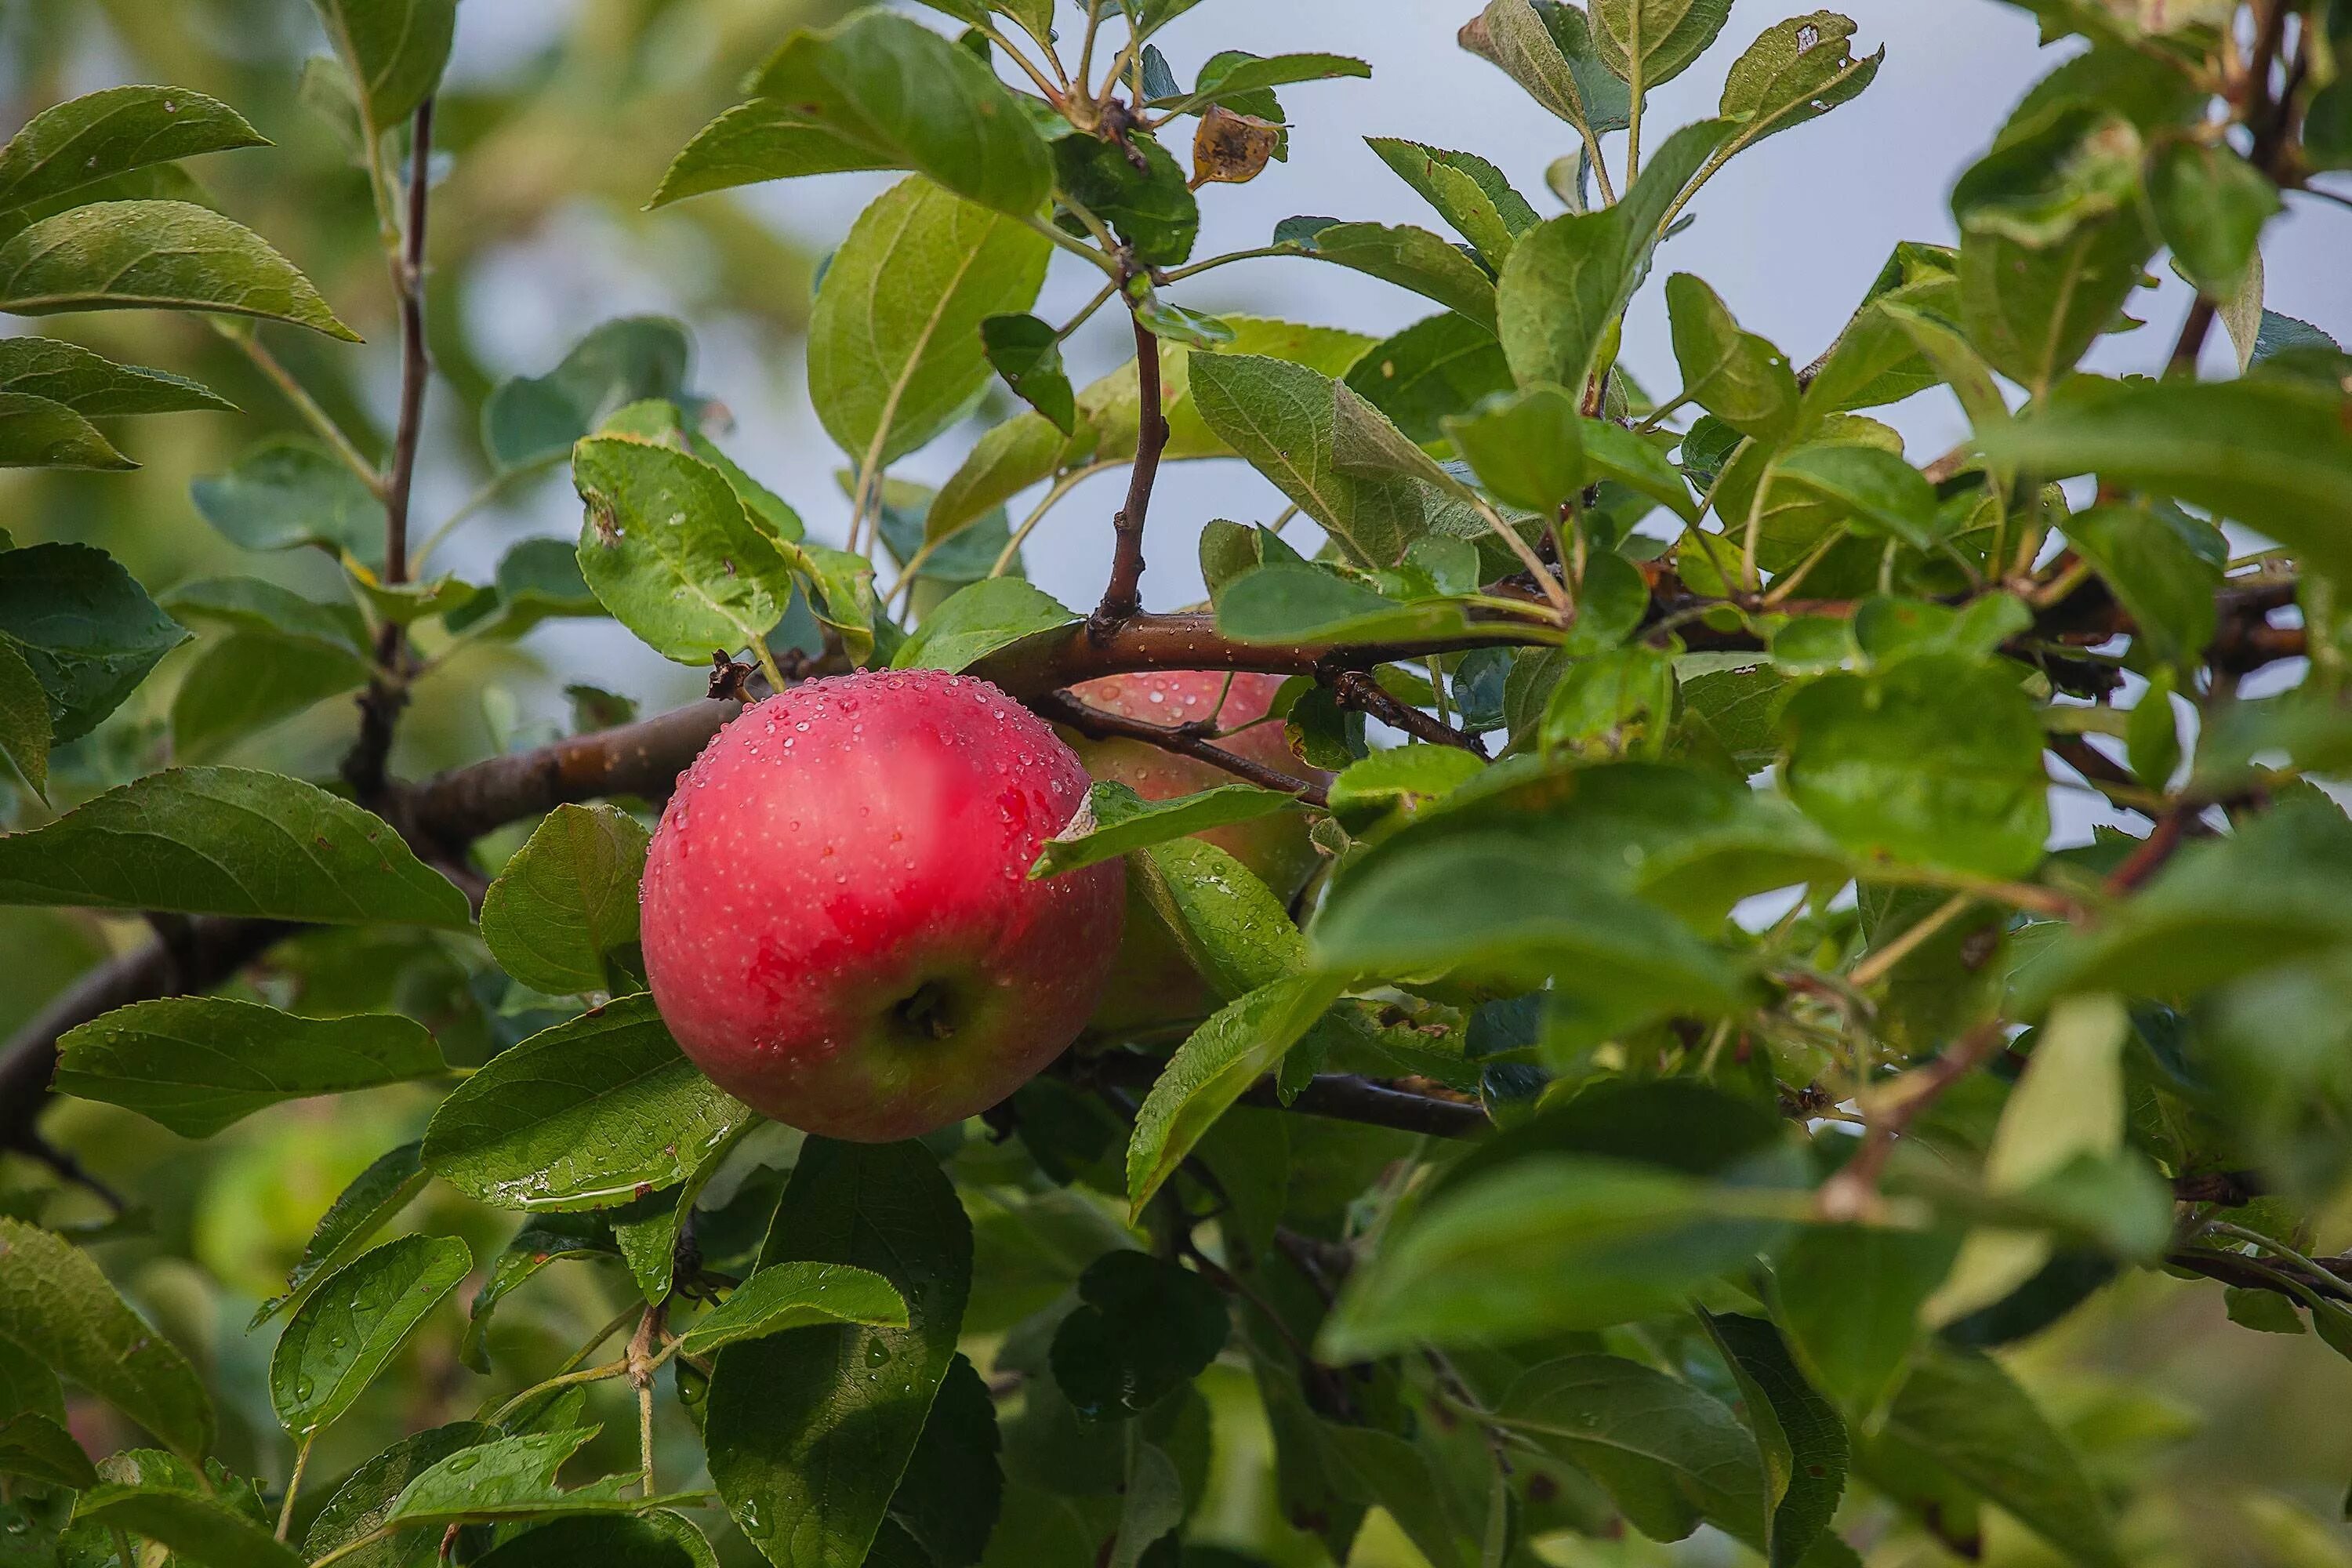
1692,1070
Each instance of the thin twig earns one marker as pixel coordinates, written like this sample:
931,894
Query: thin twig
1185,740
1355,688
1853,1192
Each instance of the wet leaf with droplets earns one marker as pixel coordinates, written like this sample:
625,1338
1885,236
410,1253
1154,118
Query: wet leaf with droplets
351,1327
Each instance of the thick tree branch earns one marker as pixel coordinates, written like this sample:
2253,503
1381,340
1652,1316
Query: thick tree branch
1123,594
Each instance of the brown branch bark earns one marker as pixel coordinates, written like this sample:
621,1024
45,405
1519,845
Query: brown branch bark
1123,594
1356,688
1187,740
387,689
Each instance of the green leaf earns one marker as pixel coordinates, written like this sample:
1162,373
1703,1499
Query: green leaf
1802,1442
1151,209
1281,418
1548,50
394,49
1467,191
763,140
287,492
809,1433
359,1211
27,1383
95,386
979,620
1115,820
343,1336
1569,280
528,420
360,1504
1669,1454
568,901
514,1479
228,841
2054,239
251,605
2209,206
1611,451
1651,42
659,1539
1008,459
1144,1329
1880,493
797,1296
1232,73
1230,924
84,627
1936,762
952,1490
32,1445
895,352
1444,366
1407,257
1548,1242
35,433
1734,376
540,1240
101,134
1027,353
1241,1042
1849,1299
580,1116
902,92
1526,447
1963,1411
2157,575
2271,453
198,1530
244,684
57,1308
158,255
198,1063
1796,70
1401,778
25,729
669,550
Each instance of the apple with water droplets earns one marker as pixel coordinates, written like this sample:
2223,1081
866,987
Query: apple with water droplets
839,926
1154,983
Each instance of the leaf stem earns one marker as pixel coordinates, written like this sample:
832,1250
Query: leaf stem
1881,962
1177,274
1061,487
1076,247
490,490
294,1481
321,422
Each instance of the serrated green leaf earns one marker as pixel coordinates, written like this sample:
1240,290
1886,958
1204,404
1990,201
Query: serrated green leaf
251,605
1849,1299
962,128
1237,934
2273,453
949,1497
669,550
156,254
756,142
1734,376
798,1296
1802,1441
1467,191
1233,73
36,433
1569,280
1669,1454
895,348
2209,206
1526,447
25,729
2157,576
1241,1042
809,1433
374,1196
1027,353
1548,50
1144,1328
514,1479
580,1116
248,682
568,901
56,1308
1796,70
360,1505
979,620
198,1063
1651,42
1151,209
1407,257
348,1330
1879,492
1115,820
87,630
287,492
101,134
659,1539
536,419
197,1529
94,386
1444,366
34,1445
228,841
394,49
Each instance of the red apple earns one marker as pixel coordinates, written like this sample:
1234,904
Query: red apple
839,926
1154,983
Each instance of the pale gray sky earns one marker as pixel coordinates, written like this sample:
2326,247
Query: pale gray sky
1790,235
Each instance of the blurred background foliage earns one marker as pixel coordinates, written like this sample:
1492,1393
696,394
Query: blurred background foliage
2221,1447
